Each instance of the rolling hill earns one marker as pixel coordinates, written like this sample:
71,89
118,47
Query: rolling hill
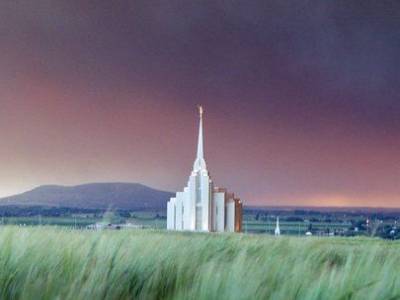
127,196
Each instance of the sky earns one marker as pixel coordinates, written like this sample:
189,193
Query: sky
301,98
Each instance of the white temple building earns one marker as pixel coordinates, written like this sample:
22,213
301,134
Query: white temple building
201,206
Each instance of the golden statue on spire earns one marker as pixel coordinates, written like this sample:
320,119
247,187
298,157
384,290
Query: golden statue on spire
201,110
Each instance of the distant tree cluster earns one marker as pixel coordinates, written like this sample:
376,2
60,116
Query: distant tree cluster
32,211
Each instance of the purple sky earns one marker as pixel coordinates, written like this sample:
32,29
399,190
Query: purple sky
302,99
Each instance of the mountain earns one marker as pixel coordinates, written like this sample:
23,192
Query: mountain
128,196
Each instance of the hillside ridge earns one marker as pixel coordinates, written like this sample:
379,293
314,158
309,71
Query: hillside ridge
97,195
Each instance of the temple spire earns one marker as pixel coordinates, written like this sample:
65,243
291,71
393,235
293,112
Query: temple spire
200,163
200,149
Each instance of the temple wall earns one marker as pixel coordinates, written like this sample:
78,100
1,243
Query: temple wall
171,214
230,216
179,211
238,215
186,210
219,212
205,202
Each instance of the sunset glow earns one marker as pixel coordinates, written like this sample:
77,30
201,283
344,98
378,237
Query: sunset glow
89,96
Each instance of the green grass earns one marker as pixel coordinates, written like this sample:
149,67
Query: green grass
50,263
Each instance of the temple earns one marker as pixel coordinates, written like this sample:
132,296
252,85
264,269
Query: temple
201,206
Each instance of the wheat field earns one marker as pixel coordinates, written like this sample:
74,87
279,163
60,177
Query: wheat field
53,263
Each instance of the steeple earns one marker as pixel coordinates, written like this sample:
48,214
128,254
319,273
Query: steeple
277,229
200,163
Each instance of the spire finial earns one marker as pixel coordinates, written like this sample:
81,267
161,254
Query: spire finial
201,110
200,162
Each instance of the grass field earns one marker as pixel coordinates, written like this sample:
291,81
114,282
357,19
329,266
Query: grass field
51,263
150,221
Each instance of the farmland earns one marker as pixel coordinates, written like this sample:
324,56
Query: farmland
256,220
51,263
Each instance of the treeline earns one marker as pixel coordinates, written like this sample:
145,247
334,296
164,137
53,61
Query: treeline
46,211
31,211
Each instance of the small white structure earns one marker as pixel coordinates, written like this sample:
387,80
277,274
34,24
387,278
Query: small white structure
277,229
201,206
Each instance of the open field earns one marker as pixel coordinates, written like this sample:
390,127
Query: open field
257,222
150,221
51,263
372,222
